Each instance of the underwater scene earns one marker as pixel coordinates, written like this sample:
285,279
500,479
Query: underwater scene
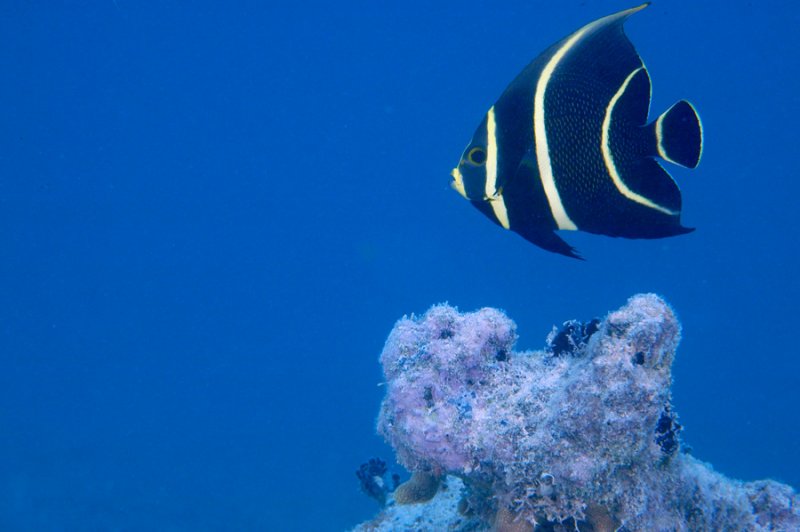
465,266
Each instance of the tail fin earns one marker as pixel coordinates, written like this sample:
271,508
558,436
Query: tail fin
679,135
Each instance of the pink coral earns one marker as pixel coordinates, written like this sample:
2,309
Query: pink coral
548,435
432,366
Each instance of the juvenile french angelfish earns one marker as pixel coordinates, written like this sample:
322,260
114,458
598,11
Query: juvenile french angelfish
567,145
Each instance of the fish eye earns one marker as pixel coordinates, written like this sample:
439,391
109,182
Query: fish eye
477,156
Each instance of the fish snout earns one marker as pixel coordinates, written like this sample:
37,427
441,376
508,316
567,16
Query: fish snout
457,183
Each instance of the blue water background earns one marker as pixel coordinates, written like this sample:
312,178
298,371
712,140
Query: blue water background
211,215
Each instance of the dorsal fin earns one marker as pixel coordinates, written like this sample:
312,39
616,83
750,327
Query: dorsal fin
633,104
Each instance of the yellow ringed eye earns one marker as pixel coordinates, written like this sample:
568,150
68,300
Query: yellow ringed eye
477,156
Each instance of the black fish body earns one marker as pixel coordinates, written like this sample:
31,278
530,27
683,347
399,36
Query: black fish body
567,145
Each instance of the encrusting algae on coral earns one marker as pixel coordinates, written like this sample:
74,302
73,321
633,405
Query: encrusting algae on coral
579,436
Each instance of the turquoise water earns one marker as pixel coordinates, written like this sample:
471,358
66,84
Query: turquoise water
210,218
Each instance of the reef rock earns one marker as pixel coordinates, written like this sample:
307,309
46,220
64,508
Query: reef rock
580,435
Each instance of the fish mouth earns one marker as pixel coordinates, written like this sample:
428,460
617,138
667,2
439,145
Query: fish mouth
457,183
